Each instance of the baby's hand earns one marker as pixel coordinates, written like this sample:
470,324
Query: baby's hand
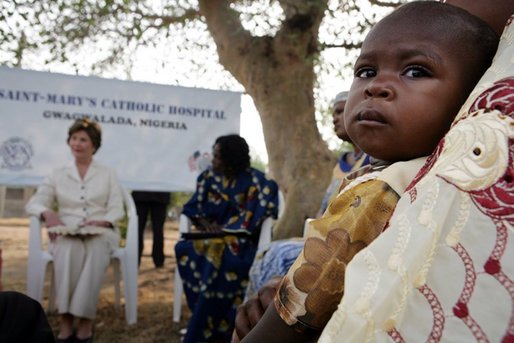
250,312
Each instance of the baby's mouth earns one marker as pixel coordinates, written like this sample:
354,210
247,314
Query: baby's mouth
371,115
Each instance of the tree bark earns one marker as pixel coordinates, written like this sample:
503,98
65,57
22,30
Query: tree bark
273,69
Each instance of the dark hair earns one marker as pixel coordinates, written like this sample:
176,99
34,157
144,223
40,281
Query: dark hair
471,38
234,152
90,127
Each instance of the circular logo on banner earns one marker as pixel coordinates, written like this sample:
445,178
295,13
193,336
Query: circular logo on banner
16,153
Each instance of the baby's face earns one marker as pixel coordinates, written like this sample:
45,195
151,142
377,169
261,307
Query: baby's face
407,89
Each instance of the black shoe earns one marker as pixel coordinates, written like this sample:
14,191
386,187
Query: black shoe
84,340
69,339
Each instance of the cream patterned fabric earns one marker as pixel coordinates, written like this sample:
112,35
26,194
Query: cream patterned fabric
313,286
444,270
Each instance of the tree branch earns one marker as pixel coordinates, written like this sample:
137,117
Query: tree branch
381,3
345,45
233,42
300,27
167,20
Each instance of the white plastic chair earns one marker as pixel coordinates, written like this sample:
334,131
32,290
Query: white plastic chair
265,237
306,226
124,258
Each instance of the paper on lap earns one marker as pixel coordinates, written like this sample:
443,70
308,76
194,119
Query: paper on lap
75,231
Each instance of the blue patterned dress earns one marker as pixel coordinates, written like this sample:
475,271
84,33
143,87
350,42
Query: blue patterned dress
215,270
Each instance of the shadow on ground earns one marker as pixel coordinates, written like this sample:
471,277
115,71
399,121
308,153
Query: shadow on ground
155,289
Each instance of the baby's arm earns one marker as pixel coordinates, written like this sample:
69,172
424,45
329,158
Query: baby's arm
314,285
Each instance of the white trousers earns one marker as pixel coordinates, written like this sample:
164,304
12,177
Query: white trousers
80,264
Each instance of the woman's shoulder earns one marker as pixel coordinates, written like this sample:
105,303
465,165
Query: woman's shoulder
255,173
206,174
252,170
63,169
101,167
99,171
261,177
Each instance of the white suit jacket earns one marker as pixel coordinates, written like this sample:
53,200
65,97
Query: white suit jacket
97,197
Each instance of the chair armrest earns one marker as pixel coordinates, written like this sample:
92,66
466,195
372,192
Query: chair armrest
184,224
35,233
131,242
266,234
281,203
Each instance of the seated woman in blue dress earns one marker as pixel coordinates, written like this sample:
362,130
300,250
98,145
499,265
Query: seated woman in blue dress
229,205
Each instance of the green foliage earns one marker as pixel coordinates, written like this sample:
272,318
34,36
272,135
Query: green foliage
123,225
178,199
115,32
259,164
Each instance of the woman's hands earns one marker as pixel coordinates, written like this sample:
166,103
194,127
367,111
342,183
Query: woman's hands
206,225
51,219
100,223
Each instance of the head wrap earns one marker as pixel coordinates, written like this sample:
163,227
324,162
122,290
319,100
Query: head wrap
343,96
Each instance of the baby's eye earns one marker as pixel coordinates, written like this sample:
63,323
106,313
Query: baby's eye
365,72
416,71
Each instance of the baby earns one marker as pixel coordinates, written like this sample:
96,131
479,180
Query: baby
415,70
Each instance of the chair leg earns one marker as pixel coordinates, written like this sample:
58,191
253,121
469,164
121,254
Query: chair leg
177,302
36,277
36,273
35,281
129,271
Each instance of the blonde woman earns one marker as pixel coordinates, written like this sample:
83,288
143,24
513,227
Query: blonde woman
82,231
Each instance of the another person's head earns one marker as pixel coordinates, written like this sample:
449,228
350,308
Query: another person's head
338,105
231,155
415,70
84,138
494,12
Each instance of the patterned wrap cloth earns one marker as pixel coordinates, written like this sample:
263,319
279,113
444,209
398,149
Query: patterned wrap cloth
341,169
313,287
215,270
444,269
279,256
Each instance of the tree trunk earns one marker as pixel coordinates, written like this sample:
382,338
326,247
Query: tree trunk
299,159
278,73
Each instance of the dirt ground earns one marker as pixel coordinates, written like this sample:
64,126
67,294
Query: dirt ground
155,291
